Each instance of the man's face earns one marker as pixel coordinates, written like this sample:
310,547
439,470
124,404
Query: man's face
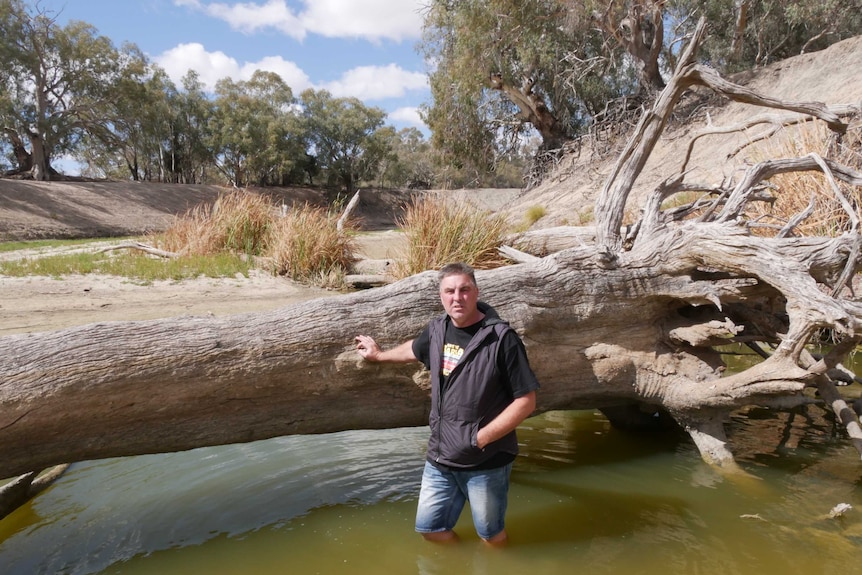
460,296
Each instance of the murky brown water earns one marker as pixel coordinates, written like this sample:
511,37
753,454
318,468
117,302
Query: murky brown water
585,498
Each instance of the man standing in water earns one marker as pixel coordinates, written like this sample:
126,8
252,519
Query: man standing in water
482,388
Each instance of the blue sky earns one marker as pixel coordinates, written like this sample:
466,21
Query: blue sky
361,48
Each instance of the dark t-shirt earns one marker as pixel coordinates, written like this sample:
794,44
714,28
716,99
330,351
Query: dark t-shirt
512,360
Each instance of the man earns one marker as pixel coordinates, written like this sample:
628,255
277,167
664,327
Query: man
482,388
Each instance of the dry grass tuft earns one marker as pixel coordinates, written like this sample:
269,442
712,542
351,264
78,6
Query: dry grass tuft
307,245
794,191
238,221
440,232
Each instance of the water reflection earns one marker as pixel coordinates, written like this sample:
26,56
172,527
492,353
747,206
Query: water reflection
584,497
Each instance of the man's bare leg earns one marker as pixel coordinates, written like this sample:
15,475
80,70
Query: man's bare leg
442,537
498,540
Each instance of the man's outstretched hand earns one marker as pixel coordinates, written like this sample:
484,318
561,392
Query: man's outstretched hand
367,347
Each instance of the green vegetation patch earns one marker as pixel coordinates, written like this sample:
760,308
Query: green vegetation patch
132,265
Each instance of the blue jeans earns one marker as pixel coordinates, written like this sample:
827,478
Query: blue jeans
444,493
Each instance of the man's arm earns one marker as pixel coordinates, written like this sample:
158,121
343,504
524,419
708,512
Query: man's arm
509,419
368,349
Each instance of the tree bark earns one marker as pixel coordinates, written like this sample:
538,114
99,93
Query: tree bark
641,34
22,157
532,109
41,168
741,7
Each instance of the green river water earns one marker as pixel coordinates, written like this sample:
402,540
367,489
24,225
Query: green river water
585,498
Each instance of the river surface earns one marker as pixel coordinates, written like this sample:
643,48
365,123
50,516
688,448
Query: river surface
585,498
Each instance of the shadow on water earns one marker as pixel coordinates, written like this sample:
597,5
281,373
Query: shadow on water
582,514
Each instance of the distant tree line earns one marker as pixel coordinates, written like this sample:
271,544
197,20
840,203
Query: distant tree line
66,91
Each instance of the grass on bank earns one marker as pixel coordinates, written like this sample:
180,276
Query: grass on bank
242,231
304,244
440,231
794,191
239,232
134,266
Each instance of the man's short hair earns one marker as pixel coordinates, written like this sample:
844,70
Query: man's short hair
457,269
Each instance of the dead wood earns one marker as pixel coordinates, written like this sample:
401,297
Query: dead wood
348,211
776,123
141,247
366,281
27,486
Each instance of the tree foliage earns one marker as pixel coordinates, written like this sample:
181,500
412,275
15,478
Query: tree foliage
65,91
746,33
503,72
345,135
257,136
502,68
59,83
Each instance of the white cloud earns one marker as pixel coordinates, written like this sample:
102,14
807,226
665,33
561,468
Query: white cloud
364,82
210,66
373,20
377,82
213,66
408,116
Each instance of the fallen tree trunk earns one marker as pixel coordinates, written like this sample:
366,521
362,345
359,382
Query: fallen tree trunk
127,388
596,338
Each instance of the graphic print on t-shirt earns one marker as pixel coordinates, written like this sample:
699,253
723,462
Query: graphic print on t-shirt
451,355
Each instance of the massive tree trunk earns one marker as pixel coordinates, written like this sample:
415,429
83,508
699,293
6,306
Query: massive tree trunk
22,157
41,167
641,33
533,110
631,319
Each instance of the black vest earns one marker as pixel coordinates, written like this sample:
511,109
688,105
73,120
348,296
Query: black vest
474,395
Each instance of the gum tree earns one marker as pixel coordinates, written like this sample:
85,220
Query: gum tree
344,138
56,83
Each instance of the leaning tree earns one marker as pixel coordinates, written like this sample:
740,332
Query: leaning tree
630,322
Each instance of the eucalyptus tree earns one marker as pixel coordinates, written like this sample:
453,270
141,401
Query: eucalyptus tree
343,136
186,154
256,135
57,83
497,72
128,143
410,163
505,68
746,33
501,68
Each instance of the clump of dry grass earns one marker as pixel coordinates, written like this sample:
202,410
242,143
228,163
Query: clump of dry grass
440,232
307,245
794,191
238,221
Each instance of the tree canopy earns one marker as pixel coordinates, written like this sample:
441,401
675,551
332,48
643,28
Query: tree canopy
502,72
58,84
503,68
66,91
344,134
